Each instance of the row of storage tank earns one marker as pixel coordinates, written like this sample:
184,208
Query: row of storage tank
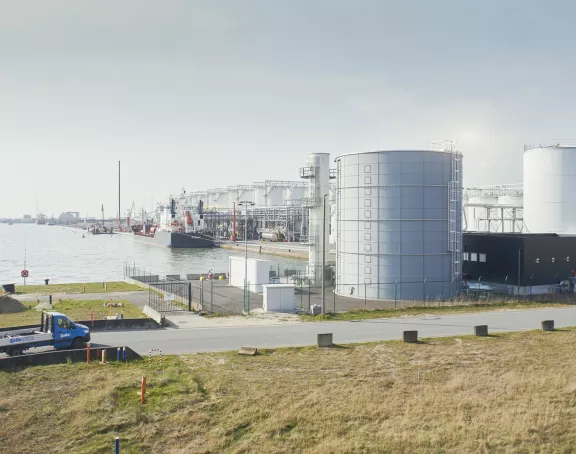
266,194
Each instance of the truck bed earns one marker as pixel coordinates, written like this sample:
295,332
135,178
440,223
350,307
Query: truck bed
19,332
32,338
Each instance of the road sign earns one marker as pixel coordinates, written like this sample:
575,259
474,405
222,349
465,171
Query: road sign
24,273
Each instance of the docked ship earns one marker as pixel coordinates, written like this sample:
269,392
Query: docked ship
175,230
40,219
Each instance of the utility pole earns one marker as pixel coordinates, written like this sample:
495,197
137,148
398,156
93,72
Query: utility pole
119,212
246,289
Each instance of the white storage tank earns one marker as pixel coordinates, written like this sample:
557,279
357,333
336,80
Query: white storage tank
260,194
477,212
549,186
393,224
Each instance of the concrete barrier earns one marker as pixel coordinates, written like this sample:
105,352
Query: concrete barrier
121,324
410,336
193,277
248,351
481,330
154,315
16,363
325,340
172,277
548,325
146,278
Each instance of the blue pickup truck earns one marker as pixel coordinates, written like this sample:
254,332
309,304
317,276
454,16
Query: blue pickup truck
55,330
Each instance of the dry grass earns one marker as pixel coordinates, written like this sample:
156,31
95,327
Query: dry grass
433,308
91,287
507,393
75,309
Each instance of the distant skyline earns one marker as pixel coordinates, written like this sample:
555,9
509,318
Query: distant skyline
200,94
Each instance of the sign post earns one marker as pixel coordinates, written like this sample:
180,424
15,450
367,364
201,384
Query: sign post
24,274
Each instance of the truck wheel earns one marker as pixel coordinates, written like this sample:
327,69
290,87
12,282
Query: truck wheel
77,343
15,352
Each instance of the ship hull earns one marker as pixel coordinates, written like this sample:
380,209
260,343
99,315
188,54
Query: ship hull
177,240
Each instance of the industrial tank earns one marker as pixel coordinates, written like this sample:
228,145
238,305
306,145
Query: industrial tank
393,224
549,186
477,212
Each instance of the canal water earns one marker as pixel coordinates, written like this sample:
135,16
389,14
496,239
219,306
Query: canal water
62,255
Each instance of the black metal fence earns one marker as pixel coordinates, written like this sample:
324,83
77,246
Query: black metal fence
170,296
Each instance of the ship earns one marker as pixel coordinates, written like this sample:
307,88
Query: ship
177,228
40,219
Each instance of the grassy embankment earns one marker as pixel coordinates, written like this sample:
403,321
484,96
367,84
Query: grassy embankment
91,287
506,393
458,308
75,309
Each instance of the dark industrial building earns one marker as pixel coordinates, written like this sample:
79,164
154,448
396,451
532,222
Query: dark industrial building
531,259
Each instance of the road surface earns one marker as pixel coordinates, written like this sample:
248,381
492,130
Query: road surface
177,341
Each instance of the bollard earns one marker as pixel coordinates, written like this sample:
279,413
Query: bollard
84,288
88,353
410,336
50,299
548,325
117,445
119,354
104,356
324,340
92,318
121,315
105,286
143,389
481,330
102,284
125,354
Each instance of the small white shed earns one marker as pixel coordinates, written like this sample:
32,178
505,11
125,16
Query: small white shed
279,298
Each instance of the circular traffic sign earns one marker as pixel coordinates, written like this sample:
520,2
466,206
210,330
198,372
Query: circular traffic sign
24,273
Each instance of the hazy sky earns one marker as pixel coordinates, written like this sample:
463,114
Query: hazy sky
200,94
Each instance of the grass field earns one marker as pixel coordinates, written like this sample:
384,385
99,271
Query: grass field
75,309
360,314
91,287
506,393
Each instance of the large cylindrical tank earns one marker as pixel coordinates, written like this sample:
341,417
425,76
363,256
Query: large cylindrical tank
392,224
549,186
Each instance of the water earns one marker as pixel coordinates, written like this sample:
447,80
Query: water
62,255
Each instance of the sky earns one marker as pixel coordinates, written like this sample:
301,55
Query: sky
203,94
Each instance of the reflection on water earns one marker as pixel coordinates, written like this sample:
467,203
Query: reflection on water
63,255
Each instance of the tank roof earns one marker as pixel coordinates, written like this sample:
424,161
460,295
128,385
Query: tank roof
395,151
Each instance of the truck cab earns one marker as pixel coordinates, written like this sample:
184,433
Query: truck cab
66,333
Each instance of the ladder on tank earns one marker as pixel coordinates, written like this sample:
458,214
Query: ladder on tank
455,219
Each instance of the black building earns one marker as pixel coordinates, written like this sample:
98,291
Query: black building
531,258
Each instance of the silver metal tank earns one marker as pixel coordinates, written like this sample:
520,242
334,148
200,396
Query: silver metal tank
393,224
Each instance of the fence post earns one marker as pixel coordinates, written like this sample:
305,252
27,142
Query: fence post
308,295
211,294
395,293
334,291
202,293
424,291
365,286
117,445
189,296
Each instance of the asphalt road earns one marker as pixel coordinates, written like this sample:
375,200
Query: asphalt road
176,341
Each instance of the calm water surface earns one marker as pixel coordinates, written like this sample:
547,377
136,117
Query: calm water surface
62,255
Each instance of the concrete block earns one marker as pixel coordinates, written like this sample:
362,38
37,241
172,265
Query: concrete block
481,330
325,340
154,315
410,336
548,325
248,351
172,277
